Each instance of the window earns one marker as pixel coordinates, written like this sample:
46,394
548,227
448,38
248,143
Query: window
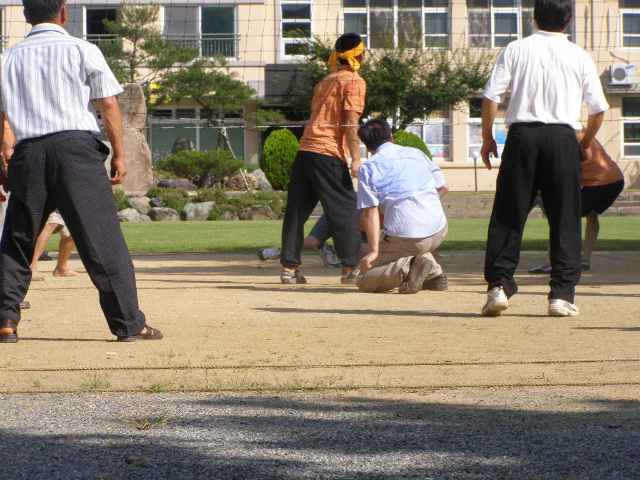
475,128
210,29
398,23
631,127
296,21
630,22
87,23
495,23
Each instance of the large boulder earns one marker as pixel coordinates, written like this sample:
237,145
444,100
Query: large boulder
156,202
164,214
182,144
263,183
229,216
133,106
257,212
141,204
132,215
236,183
181,183
197,211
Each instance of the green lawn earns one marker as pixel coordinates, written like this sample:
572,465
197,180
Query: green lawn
616,233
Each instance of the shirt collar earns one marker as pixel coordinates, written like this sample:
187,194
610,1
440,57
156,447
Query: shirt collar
553,35
384,146
47,27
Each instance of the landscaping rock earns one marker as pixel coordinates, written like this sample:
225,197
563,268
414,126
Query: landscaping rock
257,212
133,107
141,205
229,216
164,214
183,184
156,202
197,211
132,215
263,183
182,144
236,183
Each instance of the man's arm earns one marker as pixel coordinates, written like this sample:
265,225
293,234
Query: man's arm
594,122
7,139
352,118
112,121
370,222
489,146
443,190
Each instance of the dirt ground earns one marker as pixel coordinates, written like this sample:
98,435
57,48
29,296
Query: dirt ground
230,325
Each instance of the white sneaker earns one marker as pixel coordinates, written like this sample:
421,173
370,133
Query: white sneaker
328,255
562,308
272,253
497,302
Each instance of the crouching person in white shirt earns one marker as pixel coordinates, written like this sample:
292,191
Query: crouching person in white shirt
399,190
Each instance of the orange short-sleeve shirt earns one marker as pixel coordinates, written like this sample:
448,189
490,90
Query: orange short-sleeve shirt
336,94
600,169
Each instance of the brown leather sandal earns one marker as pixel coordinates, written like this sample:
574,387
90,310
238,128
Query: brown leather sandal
150,334
9,337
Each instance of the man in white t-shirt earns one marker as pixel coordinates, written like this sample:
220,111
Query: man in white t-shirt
548,77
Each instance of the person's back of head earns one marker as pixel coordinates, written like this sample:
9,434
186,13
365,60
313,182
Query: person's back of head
374,133
347,42
552,15
42,11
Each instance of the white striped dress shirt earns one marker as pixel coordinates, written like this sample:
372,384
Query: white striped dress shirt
48,80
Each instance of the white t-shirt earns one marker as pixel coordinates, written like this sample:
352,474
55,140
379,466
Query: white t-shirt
549,78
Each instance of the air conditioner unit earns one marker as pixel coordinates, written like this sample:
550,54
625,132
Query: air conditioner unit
623,74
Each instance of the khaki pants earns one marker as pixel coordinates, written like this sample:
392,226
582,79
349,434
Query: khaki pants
392,265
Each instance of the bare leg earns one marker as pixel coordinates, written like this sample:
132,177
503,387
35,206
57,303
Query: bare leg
590,235
41,244
64,252
310,243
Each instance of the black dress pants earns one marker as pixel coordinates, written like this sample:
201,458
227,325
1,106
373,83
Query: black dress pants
536,157
316,177
66,171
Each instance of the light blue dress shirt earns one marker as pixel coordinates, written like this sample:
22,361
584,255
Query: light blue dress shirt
402,182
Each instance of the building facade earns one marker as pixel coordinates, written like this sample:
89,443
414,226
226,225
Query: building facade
262,40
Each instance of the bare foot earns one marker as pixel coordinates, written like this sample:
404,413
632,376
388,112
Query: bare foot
58,272
36,277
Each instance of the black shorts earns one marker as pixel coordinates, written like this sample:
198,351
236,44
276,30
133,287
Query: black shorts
598,199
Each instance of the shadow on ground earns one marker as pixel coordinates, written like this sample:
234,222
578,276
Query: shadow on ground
291,436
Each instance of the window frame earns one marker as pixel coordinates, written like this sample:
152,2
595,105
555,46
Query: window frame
624,120
622,12
284,41
493,11
396,9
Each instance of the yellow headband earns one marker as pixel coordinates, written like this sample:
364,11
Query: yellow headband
349,55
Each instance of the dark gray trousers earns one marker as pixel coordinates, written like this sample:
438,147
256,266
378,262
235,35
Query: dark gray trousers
66,171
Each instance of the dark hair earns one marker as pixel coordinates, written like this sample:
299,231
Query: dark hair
345,43
42,11
374,133
552,15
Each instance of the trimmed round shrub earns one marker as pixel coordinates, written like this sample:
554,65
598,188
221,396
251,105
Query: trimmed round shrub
122,201
408,139
202,168
278,153
173,197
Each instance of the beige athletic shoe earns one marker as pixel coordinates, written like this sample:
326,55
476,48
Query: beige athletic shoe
562,308
497,302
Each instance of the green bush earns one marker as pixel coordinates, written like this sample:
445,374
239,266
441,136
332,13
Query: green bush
122,201
173,197
408,139
202,168
211,195
278,153
275,200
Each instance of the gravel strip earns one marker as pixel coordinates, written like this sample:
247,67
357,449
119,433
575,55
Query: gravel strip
524,433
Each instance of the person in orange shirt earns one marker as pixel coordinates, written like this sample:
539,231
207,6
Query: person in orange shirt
320,171
602,182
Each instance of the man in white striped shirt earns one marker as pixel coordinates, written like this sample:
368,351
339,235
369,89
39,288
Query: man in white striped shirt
47,84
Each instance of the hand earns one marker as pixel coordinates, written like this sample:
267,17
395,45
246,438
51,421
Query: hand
7,151
118,170
586,151
355,166
488,147
367,261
